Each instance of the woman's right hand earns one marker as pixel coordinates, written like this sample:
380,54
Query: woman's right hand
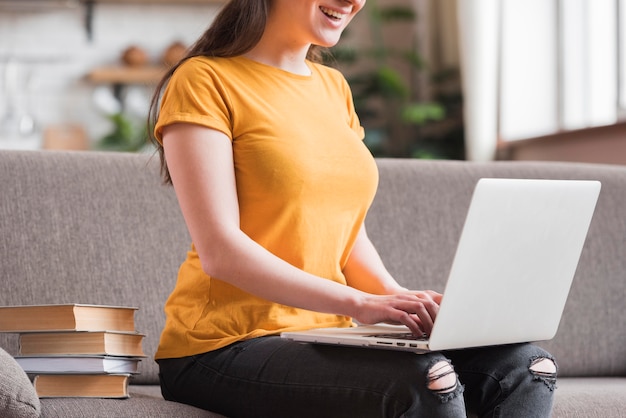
415,309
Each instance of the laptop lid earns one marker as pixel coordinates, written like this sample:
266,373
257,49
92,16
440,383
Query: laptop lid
515,262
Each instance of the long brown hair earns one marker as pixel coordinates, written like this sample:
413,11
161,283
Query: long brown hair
236,30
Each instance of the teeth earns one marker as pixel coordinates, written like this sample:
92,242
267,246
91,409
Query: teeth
332,13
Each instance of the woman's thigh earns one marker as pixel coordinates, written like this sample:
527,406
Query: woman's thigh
273,377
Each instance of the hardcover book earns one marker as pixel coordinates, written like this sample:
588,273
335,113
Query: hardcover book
78,364
68,317
85,342
81,385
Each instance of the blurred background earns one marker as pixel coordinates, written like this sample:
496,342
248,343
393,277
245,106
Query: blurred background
450,79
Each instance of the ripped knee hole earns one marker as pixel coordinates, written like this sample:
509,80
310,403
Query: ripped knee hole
544,370
442,378
543,367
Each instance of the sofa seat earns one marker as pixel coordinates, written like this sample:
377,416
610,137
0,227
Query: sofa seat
144,401
590,397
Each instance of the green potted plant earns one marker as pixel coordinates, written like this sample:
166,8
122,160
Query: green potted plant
382,93
128,132
125,135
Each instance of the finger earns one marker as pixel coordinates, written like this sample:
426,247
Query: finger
427,310
398,313
422,309
431,300
427,294
436,296
421,333
413,323
426,318
433,308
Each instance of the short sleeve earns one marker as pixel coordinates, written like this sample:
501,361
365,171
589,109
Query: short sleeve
195,94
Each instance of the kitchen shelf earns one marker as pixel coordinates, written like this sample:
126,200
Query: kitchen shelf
90,5
127,75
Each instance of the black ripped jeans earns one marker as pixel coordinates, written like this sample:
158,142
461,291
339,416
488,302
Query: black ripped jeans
273,377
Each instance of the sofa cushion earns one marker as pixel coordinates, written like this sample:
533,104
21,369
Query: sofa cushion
18,398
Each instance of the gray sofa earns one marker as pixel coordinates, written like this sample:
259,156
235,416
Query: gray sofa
100,228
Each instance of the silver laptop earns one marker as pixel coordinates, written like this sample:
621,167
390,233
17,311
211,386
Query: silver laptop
511,274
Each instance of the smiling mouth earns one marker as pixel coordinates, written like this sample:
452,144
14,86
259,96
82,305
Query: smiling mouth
332,13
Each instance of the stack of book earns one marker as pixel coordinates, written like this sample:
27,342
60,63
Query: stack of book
76,350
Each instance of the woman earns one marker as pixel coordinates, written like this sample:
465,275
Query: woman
265,153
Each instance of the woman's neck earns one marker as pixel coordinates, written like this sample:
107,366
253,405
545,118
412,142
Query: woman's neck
292,64
278,51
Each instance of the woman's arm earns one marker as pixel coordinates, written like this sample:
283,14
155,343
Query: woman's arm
365,270
200,162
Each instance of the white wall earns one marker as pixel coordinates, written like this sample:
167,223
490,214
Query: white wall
54,48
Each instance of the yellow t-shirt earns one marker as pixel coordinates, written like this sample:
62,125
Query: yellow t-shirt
305,181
